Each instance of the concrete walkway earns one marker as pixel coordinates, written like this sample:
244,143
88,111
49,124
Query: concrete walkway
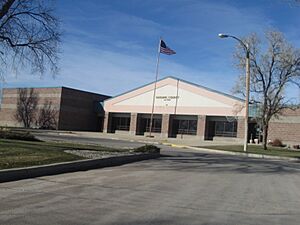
134,138
126,141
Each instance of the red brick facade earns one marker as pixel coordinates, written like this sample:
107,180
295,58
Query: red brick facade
76,109
10,98
286,128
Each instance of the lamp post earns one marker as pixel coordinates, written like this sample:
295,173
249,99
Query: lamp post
246,46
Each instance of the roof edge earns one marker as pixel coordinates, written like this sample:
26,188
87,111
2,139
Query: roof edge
188,82
61,87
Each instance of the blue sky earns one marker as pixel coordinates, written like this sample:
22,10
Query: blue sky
110,46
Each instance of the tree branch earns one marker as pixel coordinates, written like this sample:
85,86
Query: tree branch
5,8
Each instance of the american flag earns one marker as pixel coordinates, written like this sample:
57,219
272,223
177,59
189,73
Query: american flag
165,49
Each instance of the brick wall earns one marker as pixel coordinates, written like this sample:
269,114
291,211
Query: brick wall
286,132
291,112
10,99
77,111
286,128
240,128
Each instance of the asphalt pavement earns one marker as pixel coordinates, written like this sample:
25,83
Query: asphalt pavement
182,187
108,142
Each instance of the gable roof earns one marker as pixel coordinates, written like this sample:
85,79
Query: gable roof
175,78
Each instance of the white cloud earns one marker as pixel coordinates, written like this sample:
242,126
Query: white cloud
110,51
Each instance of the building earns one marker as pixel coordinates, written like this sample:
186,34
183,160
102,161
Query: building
181,110
76,110
286,127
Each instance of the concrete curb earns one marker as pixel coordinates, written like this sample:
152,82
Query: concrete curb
67,167
251,155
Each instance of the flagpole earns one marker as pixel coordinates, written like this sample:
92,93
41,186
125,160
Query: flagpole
154,92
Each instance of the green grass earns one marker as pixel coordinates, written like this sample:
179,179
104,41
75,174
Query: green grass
17,135
257,149
16,153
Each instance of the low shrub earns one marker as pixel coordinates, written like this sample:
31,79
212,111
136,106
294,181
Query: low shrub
17,135
296,146
147,149
277,143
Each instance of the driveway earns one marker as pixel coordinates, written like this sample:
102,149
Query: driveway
108,142
183,187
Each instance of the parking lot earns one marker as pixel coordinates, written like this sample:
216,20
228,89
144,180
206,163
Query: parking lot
182,187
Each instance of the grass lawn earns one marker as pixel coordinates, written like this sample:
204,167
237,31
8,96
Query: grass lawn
257,149
15,153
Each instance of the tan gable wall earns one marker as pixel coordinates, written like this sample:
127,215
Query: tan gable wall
174,96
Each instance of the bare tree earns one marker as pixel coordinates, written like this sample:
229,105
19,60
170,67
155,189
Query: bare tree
47,118
292,3
26,106
29,36
273,70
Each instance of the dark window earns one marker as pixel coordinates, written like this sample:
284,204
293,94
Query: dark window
156,125
122,123
226,129
187,127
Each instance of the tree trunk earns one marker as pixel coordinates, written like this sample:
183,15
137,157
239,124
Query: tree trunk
265,134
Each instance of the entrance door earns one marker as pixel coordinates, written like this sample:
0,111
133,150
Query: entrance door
210,130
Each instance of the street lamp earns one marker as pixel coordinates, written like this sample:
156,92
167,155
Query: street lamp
246,47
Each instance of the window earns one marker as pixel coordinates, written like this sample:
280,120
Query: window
226,129
156,125
123,123
187,127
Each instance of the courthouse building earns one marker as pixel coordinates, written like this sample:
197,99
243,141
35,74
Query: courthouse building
181,110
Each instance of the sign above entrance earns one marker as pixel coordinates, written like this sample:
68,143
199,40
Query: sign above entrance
166,97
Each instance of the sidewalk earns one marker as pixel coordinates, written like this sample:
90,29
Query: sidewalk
195,141
154,140
173,142
183,143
